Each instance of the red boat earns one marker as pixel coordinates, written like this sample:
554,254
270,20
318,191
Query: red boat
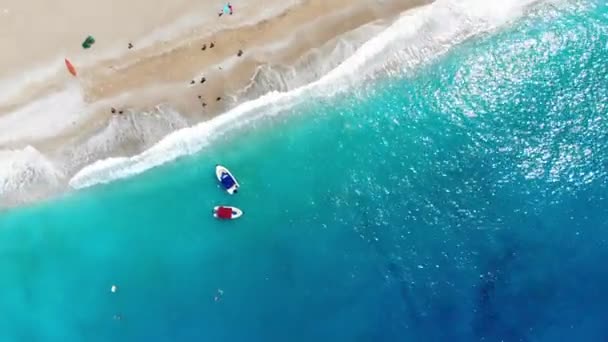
227,213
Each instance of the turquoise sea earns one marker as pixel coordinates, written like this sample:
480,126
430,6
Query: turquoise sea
463,200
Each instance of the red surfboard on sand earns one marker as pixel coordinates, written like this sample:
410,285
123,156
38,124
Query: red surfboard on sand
70,67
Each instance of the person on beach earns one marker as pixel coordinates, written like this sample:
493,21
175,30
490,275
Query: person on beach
226,10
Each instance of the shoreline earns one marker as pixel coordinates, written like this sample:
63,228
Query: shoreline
155,80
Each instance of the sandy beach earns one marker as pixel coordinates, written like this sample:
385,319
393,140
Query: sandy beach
186,65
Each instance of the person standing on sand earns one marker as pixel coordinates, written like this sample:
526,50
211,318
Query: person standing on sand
226,10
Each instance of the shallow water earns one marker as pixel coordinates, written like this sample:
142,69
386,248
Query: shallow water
462,201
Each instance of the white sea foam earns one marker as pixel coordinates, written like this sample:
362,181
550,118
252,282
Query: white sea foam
311,66
424,33
25,174
437,23
128,133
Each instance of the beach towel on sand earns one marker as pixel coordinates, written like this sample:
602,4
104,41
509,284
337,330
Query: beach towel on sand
228,9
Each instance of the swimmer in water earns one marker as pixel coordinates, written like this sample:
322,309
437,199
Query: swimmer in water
218,295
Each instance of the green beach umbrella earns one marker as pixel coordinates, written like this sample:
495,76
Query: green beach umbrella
88,42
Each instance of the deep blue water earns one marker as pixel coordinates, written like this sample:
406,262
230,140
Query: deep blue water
463,201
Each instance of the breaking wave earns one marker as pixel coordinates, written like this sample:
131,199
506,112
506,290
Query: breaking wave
310,67
417,36
26,175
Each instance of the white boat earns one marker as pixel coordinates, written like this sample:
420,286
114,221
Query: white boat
224,212
226,179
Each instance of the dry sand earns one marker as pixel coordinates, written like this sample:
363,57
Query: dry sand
36,31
